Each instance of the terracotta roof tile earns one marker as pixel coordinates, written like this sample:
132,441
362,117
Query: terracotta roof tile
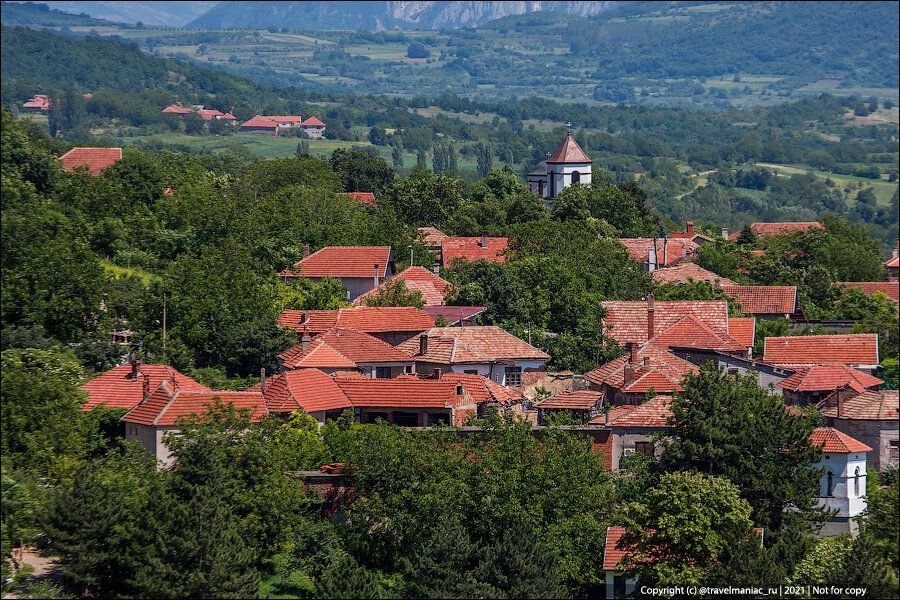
116,388
668,253
568,151
652,414
613,551
261,122
833,441
470,249
368,319
663,372
343,348
851,349
686,272
95,159
626,321
891,289
400,392
177,110
312,122
578,400
432,236
454,314
783,228
892,262
310,390
165,406
343,261
478,344
483,389
764,299
690,332
870,405
742,329
822,378
366,198
420,279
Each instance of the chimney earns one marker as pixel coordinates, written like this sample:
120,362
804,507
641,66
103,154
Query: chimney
840,401
135,366
423,344
629,374
262,380
689,227
436,373
632,352
646,361
436,269
651,257
725,233
896,251
305,250
375,274
484,240
306,340
303,318
146,387
665,260
651,314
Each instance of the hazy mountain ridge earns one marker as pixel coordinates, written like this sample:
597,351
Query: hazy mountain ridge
171,14
380,15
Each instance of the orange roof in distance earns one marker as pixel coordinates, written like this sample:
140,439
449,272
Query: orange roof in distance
432,287
342,261
471,249
833,441
781,228
819,378
568,151
870,405
891,289
165,406
95,159
849,349
574,400
764,299
686,272
117,388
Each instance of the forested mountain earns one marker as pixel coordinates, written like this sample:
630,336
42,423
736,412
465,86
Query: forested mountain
30,14
170,14
379,15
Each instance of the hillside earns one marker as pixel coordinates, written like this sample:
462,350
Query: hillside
168,14
378,16
30,14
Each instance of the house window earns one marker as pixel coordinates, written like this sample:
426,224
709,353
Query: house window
470,371
382,372
406,419
541,188
644,448
408,369
894,450
576,177
830,489
513,376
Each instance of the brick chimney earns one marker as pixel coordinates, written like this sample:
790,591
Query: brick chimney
146,387
305,251
375,274
629,374
423,344
262,380
651,314
689,227
484,240
135,368
632,352
306,340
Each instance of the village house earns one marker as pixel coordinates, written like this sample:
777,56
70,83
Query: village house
364,198
763,230
259,124
464,316
39,103
700,324
126,385
628,379
343,349
481,350
690,234
391,324
310,390
872,417
843,483
160,412
567,165
810,385
96,160
892,265
471,249
578,405
686,273
359,268
658,253
891,289
408,401
313,128
432,287
767,376
859,351
206,114
764,301
633,431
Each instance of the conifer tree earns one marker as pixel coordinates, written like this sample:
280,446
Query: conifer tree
397,152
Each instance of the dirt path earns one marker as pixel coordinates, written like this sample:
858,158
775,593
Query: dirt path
43,567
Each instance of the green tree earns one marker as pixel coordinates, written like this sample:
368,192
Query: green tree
397,151
395,293
361,171
484,157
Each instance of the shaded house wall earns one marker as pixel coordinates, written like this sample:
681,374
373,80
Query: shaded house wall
882,436
767,375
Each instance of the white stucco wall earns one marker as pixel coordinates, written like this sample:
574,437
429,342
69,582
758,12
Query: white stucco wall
844,497
562,175
151,438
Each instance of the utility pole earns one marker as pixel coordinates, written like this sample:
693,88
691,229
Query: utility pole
164,329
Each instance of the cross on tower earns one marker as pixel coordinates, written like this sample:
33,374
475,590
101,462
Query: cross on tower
569,126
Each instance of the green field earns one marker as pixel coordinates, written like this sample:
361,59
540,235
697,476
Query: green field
883,188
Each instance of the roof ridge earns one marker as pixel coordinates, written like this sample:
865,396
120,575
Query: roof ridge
172,396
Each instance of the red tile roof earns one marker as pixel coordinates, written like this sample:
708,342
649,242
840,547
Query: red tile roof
343,348
208,114
851,349
309,390
454,314
892,262
368,319
686,272
470,249
743,329
432,236
652,414
663,372
613,552
286,118
177,110
260,122
400,392
891,289
343,261
484,343
116,388
767,229
95,159
764,299
432,287
821,378
668,253
312,122
833,441
165,406
40,101
229,117
366,198
483,389
568,151
681,323
574,400
870,405
614,413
